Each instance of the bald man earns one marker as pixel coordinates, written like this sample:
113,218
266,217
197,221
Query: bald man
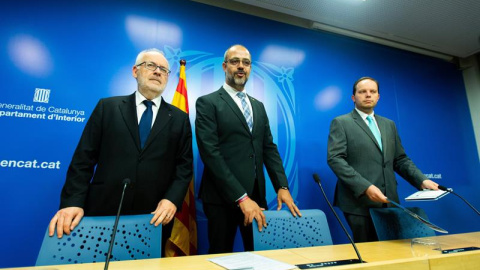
235,142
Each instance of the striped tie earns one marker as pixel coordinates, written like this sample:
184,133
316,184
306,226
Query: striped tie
246,110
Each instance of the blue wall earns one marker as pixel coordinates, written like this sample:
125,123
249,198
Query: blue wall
80,51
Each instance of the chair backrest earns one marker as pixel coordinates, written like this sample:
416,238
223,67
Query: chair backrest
393,223
90,240
285,231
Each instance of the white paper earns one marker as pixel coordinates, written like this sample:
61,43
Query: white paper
250,261
427,194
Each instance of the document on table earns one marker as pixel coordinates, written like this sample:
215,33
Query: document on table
427,195
250,261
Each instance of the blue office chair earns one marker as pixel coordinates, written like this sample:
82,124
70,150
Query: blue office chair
393,223
285,231
89,241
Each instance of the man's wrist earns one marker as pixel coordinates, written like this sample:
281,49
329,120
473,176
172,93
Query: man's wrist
242,199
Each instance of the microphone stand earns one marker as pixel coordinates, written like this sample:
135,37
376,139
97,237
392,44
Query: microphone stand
317,180
451,191
112,240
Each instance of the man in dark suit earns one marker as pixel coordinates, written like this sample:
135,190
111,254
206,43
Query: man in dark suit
158,161
364,151
235,142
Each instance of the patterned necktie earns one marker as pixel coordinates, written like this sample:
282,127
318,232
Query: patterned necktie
246,110
145,122
375,131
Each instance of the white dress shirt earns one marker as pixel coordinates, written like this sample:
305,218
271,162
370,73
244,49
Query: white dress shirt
139,98
364,117
233,93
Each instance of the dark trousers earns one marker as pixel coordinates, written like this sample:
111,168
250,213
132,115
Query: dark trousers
166,233
223,221
362,228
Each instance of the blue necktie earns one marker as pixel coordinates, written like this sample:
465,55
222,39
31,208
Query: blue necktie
375,131
246,110
145,122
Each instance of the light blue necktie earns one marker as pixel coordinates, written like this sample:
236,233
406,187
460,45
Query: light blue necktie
246,110
145,122
375,131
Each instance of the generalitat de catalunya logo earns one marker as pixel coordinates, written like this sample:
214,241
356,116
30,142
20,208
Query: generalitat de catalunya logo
41,95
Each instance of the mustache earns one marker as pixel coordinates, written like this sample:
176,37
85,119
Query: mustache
156,79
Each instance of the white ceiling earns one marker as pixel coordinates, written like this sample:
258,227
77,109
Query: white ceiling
449,27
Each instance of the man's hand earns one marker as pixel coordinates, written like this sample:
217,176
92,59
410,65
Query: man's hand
251,210
374,194
284,196
429,184
66,219
164,213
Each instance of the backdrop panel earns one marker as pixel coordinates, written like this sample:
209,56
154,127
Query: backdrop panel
58,59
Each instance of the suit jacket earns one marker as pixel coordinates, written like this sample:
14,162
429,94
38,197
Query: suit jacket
109,151
355,157
233,157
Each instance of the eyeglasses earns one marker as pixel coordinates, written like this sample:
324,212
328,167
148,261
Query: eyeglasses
236,62
152,66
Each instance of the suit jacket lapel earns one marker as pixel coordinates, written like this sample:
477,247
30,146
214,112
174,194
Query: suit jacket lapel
228,99
164,115
256,113
129,115
383,132
359,121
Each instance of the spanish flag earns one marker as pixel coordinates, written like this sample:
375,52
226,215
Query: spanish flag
183,240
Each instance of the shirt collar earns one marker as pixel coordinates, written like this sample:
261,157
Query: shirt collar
232,91
364,115
139,98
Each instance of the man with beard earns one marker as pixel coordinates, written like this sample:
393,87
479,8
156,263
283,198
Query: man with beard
235,142
365,151
140,137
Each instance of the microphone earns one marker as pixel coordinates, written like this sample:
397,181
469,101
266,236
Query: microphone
341,262
444,188
125,183
451,191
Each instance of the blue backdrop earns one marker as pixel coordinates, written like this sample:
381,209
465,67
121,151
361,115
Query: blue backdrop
59,58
